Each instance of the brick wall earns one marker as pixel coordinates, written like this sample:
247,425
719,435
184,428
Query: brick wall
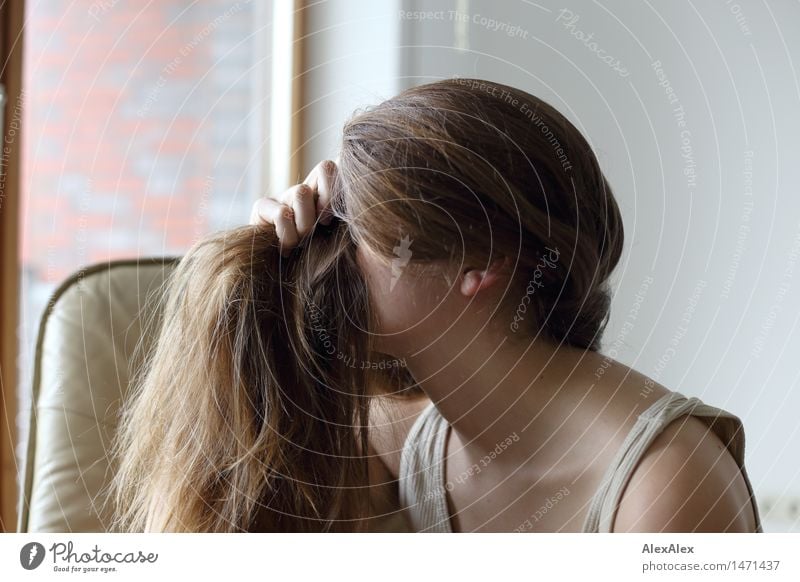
137,139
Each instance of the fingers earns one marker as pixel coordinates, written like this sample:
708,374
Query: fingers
320,179
301,199
283,217
295,211
324,175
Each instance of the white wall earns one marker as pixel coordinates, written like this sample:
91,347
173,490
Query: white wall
353,60
720,319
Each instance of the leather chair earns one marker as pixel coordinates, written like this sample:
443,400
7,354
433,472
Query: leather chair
89,345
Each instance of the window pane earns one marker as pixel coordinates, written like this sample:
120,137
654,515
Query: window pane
144,130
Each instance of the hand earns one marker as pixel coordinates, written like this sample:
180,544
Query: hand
294,212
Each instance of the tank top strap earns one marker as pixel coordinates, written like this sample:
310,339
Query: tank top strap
648,425
421,473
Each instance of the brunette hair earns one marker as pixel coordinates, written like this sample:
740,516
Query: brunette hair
247,415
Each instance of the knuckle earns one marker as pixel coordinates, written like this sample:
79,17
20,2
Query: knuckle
304,193
257,213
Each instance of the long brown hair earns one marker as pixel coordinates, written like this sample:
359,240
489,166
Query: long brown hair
248,415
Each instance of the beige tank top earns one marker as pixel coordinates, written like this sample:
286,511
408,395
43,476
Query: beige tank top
422,483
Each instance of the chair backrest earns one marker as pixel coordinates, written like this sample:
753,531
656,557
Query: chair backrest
89,346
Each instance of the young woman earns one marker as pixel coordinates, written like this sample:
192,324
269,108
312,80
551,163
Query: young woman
409,341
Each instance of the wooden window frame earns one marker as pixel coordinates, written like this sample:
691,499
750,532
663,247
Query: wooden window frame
11,45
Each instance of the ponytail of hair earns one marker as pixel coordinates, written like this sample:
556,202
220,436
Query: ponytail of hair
247,416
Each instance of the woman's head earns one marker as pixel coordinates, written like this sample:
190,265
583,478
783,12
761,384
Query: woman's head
465,176
457,197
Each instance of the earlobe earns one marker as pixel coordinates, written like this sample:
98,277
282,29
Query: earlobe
470,282
473,280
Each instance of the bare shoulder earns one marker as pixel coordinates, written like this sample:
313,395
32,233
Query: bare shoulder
391,419
687,481
619,394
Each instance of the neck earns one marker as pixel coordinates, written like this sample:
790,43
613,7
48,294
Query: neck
492,388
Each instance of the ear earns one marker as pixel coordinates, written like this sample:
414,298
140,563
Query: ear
473,280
